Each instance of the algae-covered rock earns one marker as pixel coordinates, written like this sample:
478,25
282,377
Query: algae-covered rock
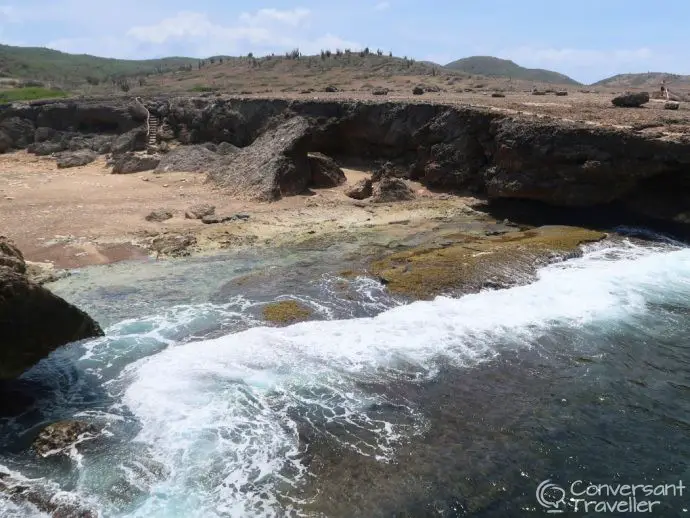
286,312
471,263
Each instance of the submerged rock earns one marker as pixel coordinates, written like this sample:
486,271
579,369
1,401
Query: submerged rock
286,312
471,262
59,436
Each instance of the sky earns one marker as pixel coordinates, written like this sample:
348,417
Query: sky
585,39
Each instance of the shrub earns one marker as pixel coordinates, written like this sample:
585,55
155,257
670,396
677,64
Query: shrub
30,93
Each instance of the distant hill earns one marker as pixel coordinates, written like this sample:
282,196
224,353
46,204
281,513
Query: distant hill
649,81
495,67
49,65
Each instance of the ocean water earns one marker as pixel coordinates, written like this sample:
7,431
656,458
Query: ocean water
451,407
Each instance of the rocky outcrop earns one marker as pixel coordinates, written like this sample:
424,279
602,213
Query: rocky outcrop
501,155
33,321
187,159
391,189
76,159
631,100
133,163
159,215
274,165
361,190
200,211
324,171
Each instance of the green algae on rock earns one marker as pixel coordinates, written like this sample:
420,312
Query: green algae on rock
470,263
286,312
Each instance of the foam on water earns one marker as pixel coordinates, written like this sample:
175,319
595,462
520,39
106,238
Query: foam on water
223,415
221,422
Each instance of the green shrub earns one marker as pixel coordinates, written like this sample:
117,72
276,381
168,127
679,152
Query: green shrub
30,93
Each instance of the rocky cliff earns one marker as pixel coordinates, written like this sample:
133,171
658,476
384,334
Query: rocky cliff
33,321
499,154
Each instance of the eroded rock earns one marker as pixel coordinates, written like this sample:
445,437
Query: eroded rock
133,163
159,215
325,172
174,245
57,437
199,211
391,189
76,159
631,100
361,190
187,159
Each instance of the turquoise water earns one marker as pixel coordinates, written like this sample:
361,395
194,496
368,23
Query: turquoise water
452,407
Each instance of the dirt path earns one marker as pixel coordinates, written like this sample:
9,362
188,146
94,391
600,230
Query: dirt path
85,215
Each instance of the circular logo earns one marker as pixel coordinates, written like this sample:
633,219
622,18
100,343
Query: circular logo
551,496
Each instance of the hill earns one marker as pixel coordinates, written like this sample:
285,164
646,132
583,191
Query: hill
42,64
648,81
495,67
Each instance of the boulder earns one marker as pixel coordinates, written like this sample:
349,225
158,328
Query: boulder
187,159
20,131
133,140
212,219
538,92
33,321
671,105
380,91
498,94
76,159
5,142
388,169
46,148
57,437
131,163
199,211
330,89
174,245
418,90
138,111
44,134
391,189
361,190
159,215
561,93
631,100
274,165
325,172
226,148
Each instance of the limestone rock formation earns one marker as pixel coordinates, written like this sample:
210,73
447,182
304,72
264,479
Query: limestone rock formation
631,100
391,189
133,140
187,159
274,165
133,163
361,190
159,215
33,321
325,172
76,159
200,211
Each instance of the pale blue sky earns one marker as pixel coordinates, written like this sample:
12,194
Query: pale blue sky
586,39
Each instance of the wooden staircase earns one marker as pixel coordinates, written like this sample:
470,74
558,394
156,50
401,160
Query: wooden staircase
153,124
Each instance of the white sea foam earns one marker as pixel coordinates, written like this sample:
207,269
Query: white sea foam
221,414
